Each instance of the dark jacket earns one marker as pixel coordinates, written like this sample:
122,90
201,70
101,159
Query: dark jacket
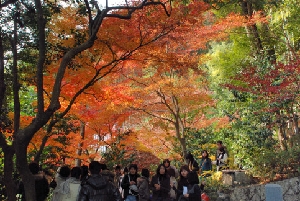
164,182
181,183
108,175
143,186
41,188
97,188
126,183
193,166
194,192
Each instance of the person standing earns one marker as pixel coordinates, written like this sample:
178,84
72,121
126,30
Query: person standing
221,159
205,163
160,184
167,164
61,177
191,162
41,183
71,186
129,184
219,146
96,187
117,176
143,185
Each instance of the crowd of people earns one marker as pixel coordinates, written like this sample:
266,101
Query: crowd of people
97,183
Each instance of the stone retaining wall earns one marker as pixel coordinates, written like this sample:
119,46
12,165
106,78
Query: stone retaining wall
290,189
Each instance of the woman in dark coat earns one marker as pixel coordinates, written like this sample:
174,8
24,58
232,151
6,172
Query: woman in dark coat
183,181
160,184
129,180
193,188
191,162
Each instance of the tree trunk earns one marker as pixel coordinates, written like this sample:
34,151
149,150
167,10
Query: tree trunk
282,136
180,138
22,165
79,149
2,83
9,183
252,30
295,124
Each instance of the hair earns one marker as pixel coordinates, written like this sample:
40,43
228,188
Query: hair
189,156
145,172
95,167
84,172
207,154
64,171
133,166
222,149
126,170
34,167
103,166
166,160
219,142
171,172
192,178
184,167
76,172
158,169
118,167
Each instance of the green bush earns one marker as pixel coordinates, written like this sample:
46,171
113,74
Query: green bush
270,163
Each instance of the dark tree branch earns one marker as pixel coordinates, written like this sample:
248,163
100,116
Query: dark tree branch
6,3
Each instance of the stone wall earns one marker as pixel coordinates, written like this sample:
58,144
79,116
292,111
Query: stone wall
290,189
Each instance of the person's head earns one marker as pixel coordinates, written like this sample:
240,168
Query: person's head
192,178
189,157
76,172
184,170
166,163
64,171
133,169
84,171
34,167
171,172
145,173
125,170
95,167
103,166
161,170
118,169
222,150
205,154
219,144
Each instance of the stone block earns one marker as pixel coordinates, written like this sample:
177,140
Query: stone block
273,192
235,177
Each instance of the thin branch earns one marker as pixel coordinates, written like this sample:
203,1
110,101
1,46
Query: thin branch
153,115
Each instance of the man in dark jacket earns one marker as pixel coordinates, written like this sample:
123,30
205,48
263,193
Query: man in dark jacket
97,188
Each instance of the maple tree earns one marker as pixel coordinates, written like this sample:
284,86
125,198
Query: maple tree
169,87
59,58
73,82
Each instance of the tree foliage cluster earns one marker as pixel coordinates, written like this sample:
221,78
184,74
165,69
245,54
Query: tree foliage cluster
147,80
